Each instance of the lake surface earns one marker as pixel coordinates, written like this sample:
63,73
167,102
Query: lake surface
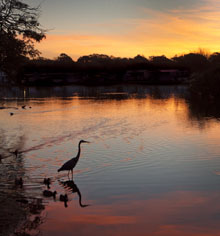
152,167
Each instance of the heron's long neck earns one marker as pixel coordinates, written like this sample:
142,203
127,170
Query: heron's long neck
79,150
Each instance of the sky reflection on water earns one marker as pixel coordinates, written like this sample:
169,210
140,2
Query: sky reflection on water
151,167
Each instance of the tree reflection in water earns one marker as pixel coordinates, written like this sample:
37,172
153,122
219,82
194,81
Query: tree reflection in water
17,207
201,109
21,212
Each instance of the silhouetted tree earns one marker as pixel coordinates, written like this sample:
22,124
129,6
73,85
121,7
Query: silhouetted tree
94,59
64,58
215,59
19,29
193,61
160,60
140,59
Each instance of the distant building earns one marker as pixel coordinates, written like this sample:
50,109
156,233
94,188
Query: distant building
173,75
50,78
169,76
137,75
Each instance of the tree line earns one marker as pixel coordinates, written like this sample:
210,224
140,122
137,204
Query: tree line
195,62
20,29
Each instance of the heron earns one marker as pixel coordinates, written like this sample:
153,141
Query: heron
69,165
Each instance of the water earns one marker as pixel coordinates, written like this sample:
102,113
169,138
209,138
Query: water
152,167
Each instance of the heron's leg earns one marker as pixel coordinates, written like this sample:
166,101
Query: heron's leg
72,173
68,174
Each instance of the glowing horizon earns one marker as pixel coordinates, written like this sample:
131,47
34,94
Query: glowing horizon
150,29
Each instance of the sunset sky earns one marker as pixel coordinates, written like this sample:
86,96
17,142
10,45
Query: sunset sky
126,28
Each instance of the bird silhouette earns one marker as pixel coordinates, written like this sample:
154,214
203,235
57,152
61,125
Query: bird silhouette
47,182
48,193
63,198
69,165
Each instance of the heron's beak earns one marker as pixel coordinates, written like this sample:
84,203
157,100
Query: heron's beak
86,142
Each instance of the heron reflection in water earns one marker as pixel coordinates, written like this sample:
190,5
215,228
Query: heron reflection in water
70,185
69,165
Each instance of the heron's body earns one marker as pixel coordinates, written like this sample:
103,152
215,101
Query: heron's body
69,165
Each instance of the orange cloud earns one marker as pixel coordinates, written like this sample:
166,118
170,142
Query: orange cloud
169,33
